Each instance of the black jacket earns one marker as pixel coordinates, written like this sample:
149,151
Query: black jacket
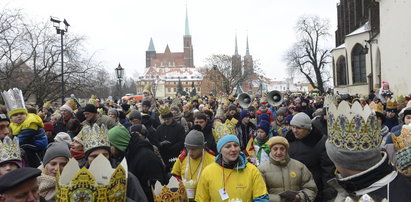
176,135
209,137
311,152
144,164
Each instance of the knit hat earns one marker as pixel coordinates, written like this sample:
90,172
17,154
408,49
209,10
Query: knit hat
146,103
119,137
404,158
278,140
264,116
244,114
135,114
251,108
78,139
48,126
194,140
175,108
232,107
90,108
113,111
66,107
281,111
264,125
301,120
138,128
226,139
125,107
56,149
63,137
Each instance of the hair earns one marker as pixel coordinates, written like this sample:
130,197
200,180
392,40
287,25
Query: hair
74,125
31,109
209,113
200,115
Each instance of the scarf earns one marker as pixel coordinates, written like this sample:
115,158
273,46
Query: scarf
76,154
47,186
261,142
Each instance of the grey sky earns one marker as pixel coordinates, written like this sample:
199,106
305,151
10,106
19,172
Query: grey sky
119,31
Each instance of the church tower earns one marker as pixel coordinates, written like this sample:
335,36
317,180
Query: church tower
188,46
248,61
150,53
236,61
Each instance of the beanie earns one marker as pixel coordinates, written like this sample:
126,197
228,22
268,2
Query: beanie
301,120
278,140
119,137
3,117
138,128
113,111
125,107
146,103
265,126
135,114
404,158
66,107
194,140
175,108
226,139
264,116
251,108
232,107
244,114
56,149
354,160
90,108
281,111
48,126
63,137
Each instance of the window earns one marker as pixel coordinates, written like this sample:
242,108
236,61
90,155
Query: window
358,64
341,71
174,89
198,89
168,90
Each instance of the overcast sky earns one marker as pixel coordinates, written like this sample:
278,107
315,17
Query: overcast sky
119,31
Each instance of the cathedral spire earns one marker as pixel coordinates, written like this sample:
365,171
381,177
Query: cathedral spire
236,47
151,45
187,29
247,52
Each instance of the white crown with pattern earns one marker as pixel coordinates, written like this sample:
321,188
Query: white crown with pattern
9,149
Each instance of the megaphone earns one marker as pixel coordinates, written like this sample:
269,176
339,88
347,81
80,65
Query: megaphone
244,100
275,98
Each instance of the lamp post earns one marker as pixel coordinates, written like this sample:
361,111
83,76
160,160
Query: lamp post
120,74
61,30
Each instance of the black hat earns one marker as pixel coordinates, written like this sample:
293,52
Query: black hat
125,106
90,108
146,103
4,117
139,128
17,177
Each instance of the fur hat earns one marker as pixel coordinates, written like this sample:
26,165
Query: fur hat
278,140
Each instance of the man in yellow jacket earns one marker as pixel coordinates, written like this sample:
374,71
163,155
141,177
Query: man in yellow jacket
231,177
192,161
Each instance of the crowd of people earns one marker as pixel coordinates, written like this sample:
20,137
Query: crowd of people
306,147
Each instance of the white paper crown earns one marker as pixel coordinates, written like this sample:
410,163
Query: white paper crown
173,191
93,137
98,183
353,128
13,98
9,149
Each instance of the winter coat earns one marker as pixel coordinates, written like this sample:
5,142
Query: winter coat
380,182
260,111
181,120
175,134
101,119
244,132
391,122
288,174
321,124
30,133
144,164
310,151
243,182
209,138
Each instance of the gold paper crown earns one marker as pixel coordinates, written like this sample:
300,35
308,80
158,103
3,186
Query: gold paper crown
47,105
222,129
353,128
404,139
14,100
93,100
165,193
391,104
401,99
377,107
72,104
94,137
98,183
164,110
9,149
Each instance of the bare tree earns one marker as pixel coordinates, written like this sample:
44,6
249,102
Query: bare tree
308,56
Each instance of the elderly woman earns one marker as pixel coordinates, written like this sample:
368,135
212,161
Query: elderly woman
286,179
56,157
230,177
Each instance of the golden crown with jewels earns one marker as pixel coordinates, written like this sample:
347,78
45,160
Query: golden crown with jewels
93,137
98,183
173,191
404,139
222,129
9,149
391,104
353,128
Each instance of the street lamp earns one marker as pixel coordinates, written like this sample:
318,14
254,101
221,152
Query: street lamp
120,74
60,30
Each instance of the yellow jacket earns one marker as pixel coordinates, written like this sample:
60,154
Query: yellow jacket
32,121
244,182
179,168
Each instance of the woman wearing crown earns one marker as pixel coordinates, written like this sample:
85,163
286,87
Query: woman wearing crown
231,177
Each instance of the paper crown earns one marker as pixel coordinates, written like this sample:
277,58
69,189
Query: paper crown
222,129
93,100
47,105
353,128
13,98
404,139
98,183
164,110
71,103
173,191
94,137
9,149
377,107
391,104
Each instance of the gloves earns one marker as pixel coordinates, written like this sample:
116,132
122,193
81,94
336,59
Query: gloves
164,143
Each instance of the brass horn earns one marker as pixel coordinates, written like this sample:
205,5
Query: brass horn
244,100
275,98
